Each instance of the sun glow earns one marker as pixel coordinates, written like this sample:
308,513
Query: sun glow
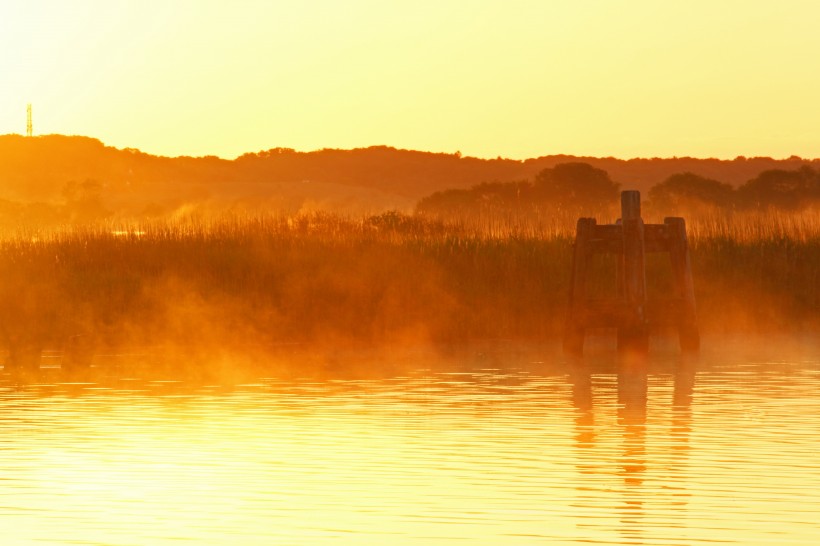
517,79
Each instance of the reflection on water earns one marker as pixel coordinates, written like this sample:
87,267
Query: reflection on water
494,447
632,462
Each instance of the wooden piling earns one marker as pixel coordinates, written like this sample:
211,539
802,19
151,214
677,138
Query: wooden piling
684,283
633,333
630,205
630,239
574,334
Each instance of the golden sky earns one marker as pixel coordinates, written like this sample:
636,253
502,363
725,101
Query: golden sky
515,78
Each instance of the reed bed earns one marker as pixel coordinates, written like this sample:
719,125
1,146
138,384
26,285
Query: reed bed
262,281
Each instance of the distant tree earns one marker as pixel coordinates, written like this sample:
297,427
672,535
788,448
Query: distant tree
782,189
689,192
446,201
273,152
506,195
576,186
83,200
486,196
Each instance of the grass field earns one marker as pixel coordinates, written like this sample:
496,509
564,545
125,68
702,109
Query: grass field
243,283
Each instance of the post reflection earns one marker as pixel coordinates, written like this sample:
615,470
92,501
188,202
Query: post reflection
632,400
581,378
681,427
635,463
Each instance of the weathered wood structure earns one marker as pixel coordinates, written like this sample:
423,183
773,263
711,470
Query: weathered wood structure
629,311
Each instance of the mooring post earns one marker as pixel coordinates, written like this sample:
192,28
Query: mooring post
574,334
633,335
620,289
684,284
630,205
630,239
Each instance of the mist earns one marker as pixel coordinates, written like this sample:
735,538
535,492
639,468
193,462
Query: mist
210,292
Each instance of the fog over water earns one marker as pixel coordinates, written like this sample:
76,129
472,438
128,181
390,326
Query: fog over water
495,444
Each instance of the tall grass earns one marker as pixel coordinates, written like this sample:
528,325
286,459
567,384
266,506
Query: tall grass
261,281
758,271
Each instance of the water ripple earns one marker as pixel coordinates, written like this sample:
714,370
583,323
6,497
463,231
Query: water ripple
721,453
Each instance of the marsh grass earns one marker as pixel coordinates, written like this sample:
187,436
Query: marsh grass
257,282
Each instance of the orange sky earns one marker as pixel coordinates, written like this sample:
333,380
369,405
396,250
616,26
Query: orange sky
515,78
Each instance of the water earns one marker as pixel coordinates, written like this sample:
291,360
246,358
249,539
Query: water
489,446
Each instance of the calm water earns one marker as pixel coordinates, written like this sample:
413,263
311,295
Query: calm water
486,446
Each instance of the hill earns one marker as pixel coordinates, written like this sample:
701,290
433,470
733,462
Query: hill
87,177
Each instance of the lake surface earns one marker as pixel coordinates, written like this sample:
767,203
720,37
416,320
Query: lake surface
492,445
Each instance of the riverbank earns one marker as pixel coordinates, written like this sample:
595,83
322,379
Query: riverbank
329,280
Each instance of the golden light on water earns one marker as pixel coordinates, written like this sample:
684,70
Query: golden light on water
199,351
520,456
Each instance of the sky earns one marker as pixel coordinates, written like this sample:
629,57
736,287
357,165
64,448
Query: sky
511,78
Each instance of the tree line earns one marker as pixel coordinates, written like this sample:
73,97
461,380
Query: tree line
56,179
580,188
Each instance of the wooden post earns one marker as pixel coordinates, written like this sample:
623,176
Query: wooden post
633,335
574,334
620,289
684,284
630,240
630,205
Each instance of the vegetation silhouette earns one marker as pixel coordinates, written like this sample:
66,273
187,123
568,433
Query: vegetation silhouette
105,247
782,189
684,193
575,187
252,284
40,177
581,189
567,189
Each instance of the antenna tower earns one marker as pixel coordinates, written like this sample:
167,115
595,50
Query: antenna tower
29,130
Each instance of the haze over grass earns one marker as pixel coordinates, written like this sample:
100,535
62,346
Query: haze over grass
252,283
